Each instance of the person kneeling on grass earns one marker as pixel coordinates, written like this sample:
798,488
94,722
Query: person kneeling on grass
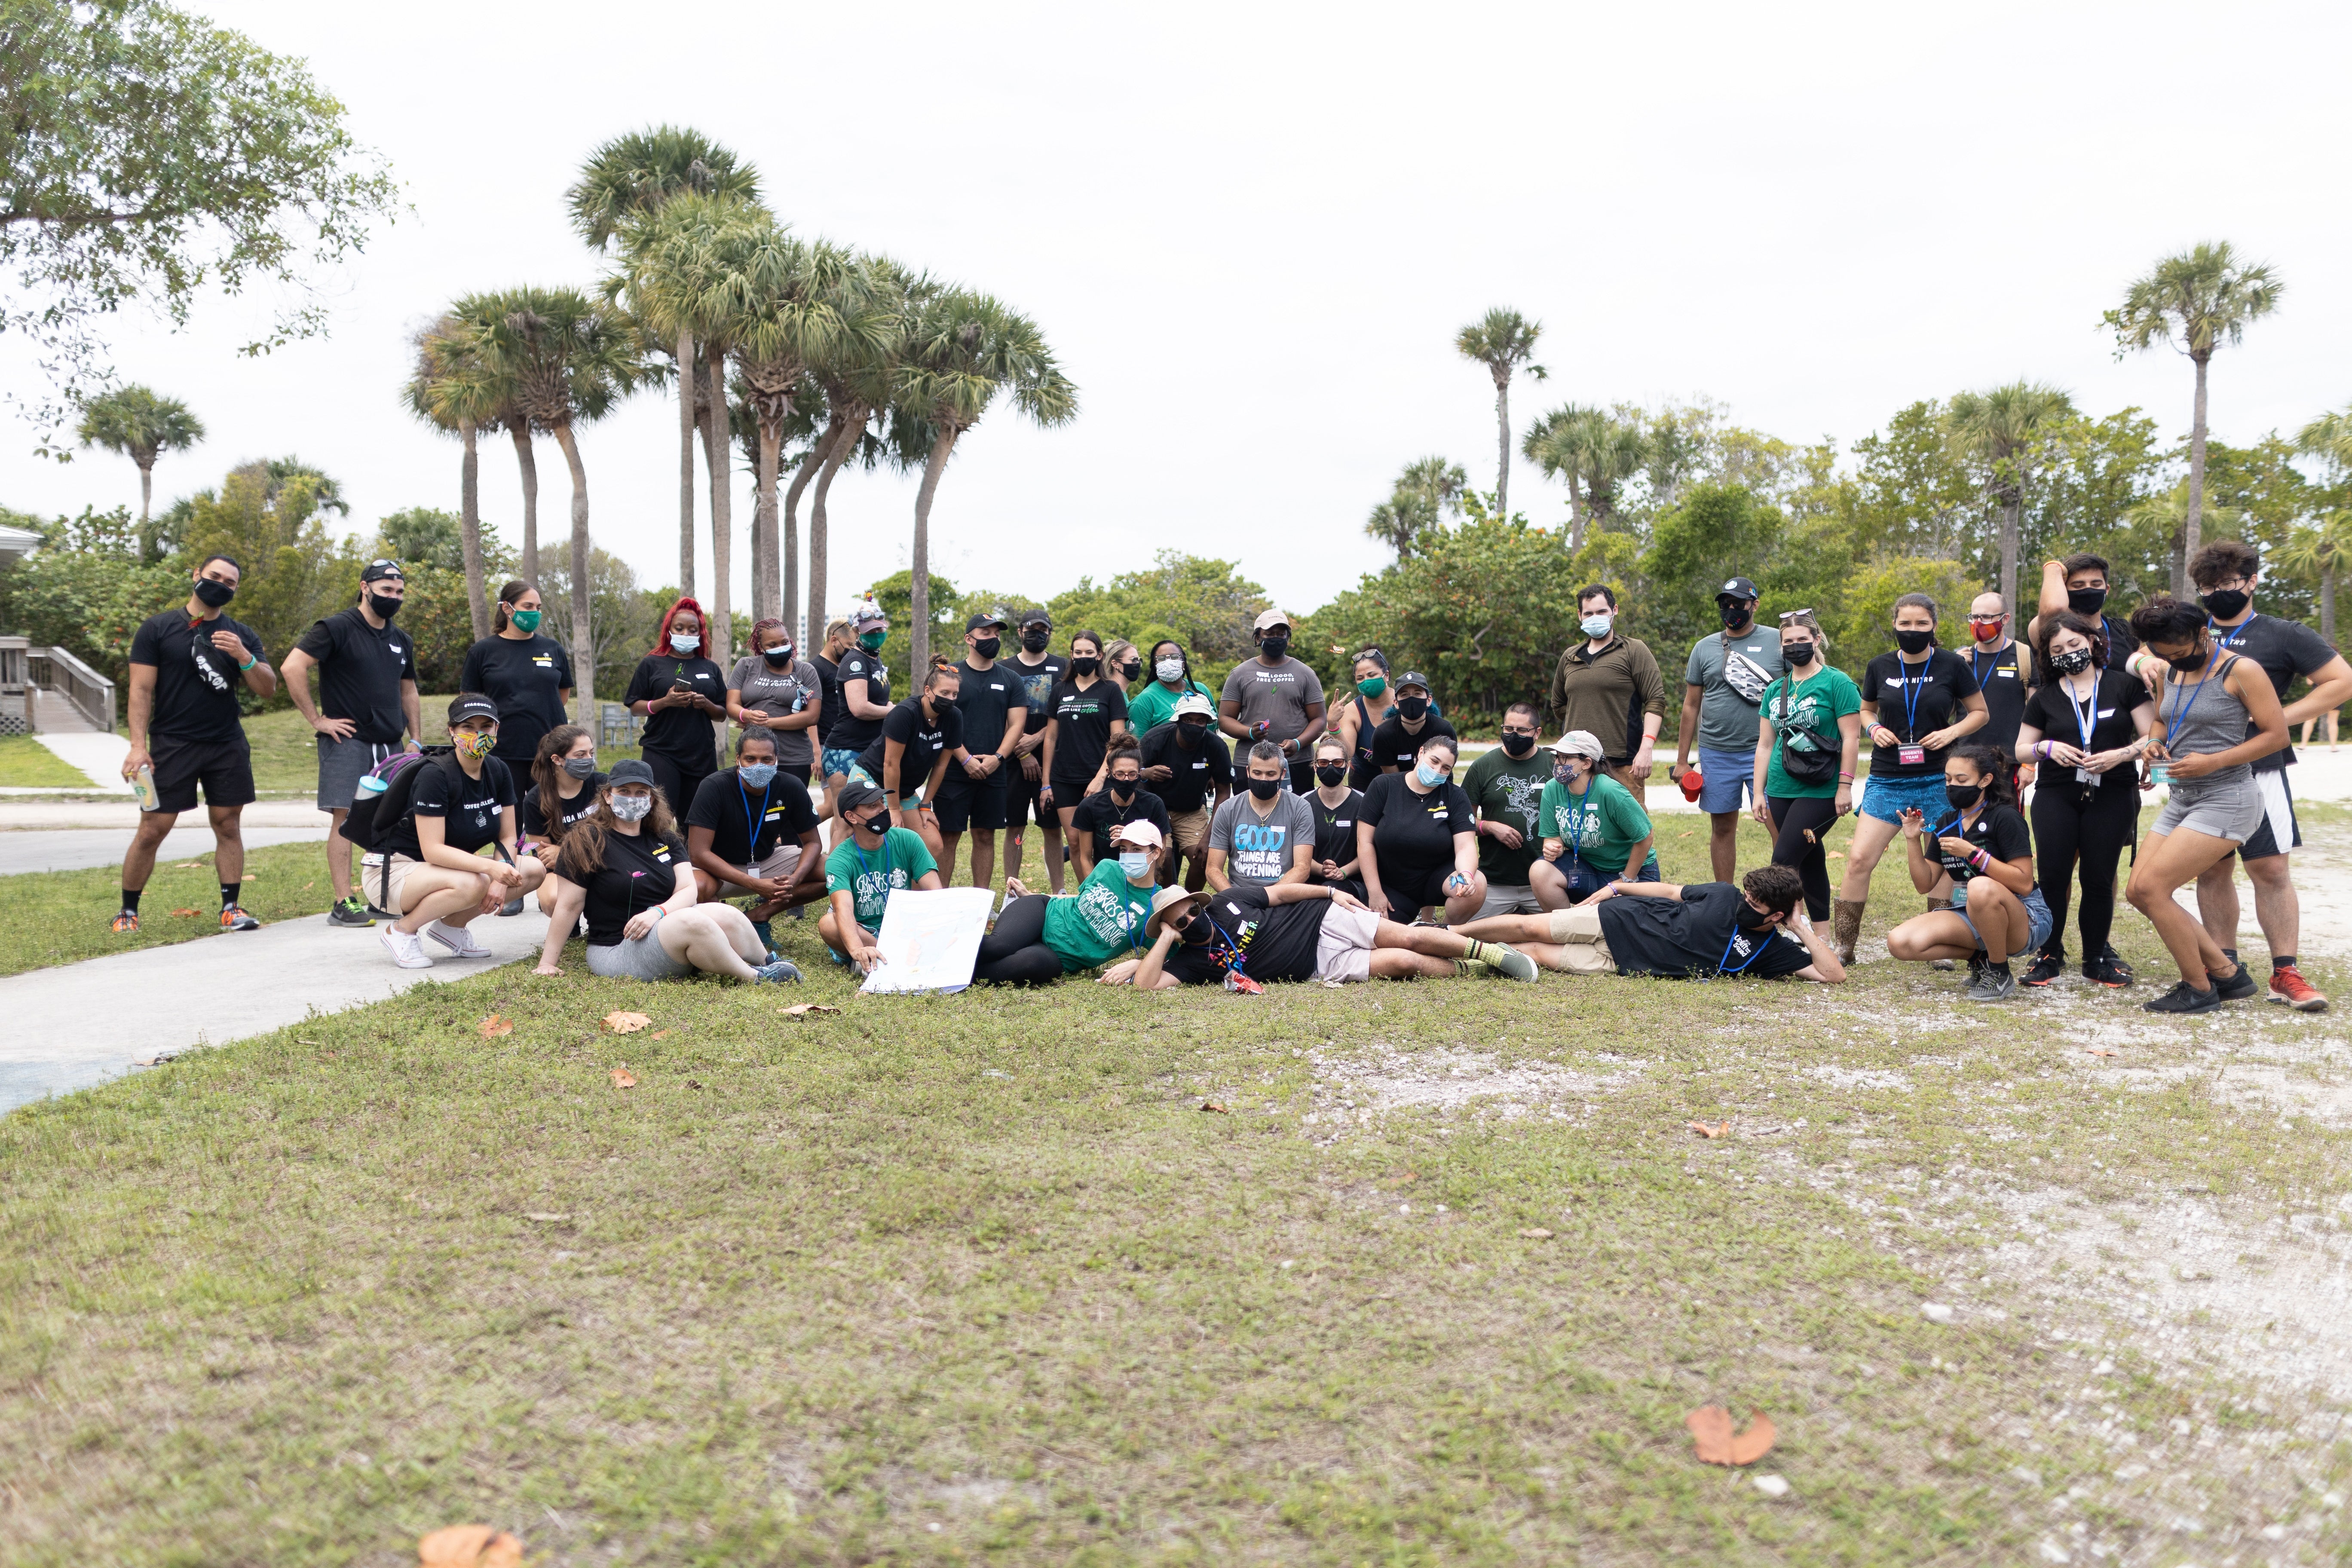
873,859
430,874
1678,932
1247,937
751,827
1983,865
1038,939
1592,828
627,865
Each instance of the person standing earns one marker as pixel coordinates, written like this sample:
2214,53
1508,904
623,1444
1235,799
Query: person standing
367,706
1088,710
1591,829
1397,742
2004,672
1723,691
2227,573
1171,678
187,667
1185,764
973,794
1363,714
773,689
1506,786
1808,749
910,758
1417,840
1039,670
1609,684
2079,584
1267,835
677,692
1275,698
527,675
832,761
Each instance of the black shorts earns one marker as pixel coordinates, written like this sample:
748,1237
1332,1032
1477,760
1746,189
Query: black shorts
1021,805
225,769
1414,892
965,807
2280,831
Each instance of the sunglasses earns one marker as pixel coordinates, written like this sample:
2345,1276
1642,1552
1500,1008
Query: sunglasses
1792,615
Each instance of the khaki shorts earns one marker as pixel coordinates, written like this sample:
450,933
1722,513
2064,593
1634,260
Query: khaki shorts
404,870
1345,951
1639,786
1190,830
782,861
1584,949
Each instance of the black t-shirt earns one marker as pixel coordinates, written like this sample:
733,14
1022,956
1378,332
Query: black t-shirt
1393,748
2284,649
526,677
681,733
1195,772
720,804
987,699
1914,699
2005,678
531,816
924,738
468,809
849,732
195,683
1037,682
1099,814
1695,938
828,680
1084,734
1997,829
360,672
1267,942
2122,641
1412,833
2060,718
639,871
1335,827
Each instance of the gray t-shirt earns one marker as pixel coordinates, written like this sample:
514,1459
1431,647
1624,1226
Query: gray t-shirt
1728,706
781,691
1279,693
1260,849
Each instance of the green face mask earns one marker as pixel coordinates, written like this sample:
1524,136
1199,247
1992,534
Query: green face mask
1374,686
872,641
526,620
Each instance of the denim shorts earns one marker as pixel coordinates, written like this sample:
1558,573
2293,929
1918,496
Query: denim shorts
1886,798
2037,916
837,762
1723,774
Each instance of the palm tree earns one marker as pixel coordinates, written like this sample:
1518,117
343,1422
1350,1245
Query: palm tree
2329,438
2207,296
133,421
452,390
2166,517
1422,494
572,358
1998,429
1502,340
961,349
630,178
858,383
1595,453
2322,551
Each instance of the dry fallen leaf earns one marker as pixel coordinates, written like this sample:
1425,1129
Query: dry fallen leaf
187,866
2096,1051
659,1035
1536,1233
623,1079
496,1025
252,876
183,912
1710,1428
804,1009
694,1083
1704,1131
626,1023
1212,1105
469,1546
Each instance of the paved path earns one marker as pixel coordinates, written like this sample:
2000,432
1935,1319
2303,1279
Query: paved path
74,849
97,753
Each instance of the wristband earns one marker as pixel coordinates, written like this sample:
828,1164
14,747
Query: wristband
1845,778
248,663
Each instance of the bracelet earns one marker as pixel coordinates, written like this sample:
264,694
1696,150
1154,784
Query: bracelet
1845,778
248,663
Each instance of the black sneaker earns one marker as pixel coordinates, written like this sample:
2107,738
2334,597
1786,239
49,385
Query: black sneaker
1992,985
2109,971
349,912
512,907
2235,987
1976,966
2047,967
2185,998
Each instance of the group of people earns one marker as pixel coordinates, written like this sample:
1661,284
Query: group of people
1258,832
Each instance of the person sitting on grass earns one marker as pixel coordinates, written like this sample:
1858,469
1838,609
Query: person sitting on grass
564,790
1692,932
1247,937
751,827
1592,828
432,877
626,865
1983,865
1038,939
1417,840
875,859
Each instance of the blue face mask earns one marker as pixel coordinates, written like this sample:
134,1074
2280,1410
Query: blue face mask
759,775
1596,625
1430,777
1135,864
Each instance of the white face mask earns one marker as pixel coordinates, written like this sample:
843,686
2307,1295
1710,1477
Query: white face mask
1170,670
633,807
1597,626
684,642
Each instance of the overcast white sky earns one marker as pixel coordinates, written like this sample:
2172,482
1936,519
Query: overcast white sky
1252,231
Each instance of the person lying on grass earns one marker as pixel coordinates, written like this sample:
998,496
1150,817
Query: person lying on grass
1038,939
1979,859
1690,932
873,859
625,863
1248,937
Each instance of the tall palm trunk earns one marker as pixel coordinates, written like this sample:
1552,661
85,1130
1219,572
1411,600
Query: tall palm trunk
2327,606
809,625
1502,445
583,642
763,522
845,429
687,393
469,530
2192,526
146,493
2011,505
527,461
716,455
918,604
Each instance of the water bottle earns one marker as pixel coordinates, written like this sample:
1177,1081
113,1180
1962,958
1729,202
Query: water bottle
143,782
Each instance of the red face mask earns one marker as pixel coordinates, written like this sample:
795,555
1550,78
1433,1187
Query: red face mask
1986,631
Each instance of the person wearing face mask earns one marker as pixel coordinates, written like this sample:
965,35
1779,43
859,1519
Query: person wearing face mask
2079,584
1361,715
875,859
752,827
186,668
1609,684
1723,693
1266,834
1122,663
2217,716
1185,764
526,673
1917,703
2227,572
2004,674
1275,698
679,692
864,682
973,794
1171,678
1976,855
1397,742
431,874
1088,710
1122,799
1507,785
565,784
1588,829
1701,931
1038,939
1417,840
1246,937
2085,730
1336,862
1039,670
774,687
624,866
367,706
1808,741
833,760
919,742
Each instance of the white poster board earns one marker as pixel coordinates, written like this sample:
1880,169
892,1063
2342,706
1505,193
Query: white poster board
929,942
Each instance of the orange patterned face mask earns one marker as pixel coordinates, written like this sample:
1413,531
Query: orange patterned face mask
476,742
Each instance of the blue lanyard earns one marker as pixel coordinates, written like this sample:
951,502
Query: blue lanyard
1726,958
1911,695
2235,632
752,822
1576,821
1223,948
1975,674
2181,717
2083,724
866,867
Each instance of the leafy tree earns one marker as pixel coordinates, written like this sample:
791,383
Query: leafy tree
2322,551
150,155
1999,431
452,390
622,622
1595,452
1719,532
133,421
1423,495
1502,340
2194,302
292,570
1205,603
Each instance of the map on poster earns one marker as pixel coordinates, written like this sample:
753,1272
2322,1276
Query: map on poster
931,941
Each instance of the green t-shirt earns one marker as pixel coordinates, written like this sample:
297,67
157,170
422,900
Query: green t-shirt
1804,715
870,877
1600,827
1155,704
1508,791
1103,924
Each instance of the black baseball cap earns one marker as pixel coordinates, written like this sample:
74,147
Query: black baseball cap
1740,588
471,705
856,795
630,769
986,619
1410,677
376,571
1036,617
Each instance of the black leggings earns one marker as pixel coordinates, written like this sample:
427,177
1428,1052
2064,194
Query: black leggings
1792,817
2066,828
677,778
1015,954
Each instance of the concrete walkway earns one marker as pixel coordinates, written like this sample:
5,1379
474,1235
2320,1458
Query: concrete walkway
97,753
76,849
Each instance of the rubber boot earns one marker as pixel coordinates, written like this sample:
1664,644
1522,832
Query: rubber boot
1933,906
1845,920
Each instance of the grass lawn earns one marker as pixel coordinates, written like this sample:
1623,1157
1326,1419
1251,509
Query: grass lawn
948,1278
25,763
60,917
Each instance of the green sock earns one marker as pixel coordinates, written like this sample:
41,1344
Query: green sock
1479,952
1466,966
767,935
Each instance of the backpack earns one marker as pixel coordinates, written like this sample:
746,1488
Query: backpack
388,792
1808,765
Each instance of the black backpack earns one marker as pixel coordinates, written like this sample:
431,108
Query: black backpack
388,794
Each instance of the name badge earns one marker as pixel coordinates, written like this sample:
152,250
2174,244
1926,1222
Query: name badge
1910,756
1200,764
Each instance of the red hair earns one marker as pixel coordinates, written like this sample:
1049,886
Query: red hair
685,602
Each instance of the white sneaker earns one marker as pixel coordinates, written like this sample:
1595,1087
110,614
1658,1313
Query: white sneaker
456,939
408,951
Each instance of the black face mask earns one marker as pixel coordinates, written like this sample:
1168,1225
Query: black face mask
1412,706
878,824
1035,641
1266,789
1124,789
1753,918
214,595
1963,797
1275,648
384,608
1518,745
1734,616
1188,735
1130,669
1330,773
1914,642
1085,666
2086,601
2226,604
1798,654
986,647
2073,661
1194,932
777,657
2188,663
